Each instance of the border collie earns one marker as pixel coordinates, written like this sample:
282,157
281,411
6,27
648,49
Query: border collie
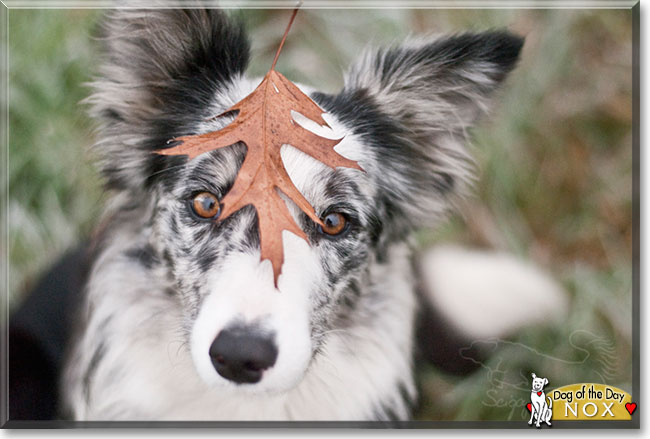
180,320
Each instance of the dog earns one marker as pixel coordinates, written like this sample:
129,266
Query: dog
179,318
541,410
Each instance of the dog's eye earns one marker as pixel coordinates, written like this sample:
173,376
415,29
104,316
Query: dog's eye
335,224
205,205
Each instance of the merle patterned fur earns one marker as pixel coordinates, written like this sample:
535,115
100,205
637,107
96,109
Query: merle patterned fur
406,111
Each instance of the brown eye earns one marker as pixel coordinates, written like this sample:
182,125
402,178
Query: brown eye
334,224
206,205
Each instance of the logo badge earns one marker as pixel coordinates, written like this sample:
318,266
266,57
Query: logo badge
578,402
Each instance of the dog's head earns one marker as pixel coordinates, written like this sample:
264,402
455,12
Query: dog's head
404,111
539,383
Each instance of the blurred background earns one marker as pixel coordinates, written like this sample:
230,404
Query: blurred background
554,161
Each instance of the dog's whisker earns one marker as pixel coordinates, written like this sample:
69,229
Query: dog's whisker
167,169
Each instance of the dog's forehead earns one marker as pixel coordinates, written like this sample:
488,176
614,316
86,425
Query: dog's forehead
313,178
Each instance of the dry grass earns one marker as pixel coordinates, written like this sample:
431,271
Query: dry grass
555,161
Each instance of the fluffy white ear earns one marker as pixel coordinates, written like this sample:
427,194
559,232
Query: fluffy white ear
534,376
437,85
413,104
545,381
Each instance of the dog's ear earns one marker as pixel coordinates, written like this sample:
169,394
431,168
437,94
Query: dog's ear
545,381
534,376
160,73
412,105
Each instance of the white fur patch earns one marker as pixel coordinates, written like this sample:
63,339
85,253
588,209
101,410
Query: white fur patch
242,291
490,294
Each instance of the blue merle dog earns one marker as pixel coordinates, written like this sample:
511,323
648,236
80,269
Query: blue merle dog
179,319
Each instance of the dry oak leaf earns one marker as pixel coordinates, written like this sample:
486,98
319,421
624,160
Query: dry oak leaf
264,123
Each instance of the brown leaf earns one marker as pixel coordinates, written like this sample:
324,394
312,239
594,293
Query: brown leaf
264,123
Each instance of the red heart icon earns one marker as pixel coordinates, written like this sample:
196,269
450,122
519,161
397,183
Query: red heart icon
529,406
631,407
539,393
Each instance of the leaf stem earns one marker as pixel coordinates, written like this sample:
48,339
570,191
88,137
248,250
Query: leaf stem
284,37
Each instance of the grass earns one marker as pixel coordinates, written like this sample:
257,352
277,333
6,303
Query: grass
554,161
54,190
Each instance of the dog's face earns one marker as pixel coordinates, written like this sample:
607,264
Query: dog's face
539,383
404,113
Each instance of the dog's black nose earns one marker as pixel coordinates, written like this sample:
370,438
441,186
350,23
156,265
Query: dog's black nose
241,354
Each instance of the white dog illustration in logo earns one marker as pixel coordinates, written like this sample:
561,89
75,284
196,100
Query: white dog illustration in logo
540,409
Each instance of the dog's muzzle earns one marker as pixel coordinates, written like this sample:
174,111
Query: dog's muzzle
241,354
